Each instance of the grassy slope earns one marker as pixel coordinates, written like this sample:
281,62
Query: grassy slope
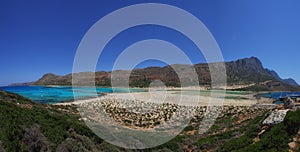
276,139
23,123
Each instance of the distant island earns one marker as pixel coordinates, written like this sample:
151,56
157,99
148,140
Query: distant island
246,74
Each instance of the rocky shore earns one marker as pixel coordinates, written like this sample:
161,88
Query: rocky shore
147,114
234,119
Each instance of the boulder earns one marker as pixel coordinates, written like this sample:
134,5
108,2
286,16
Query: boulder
293,145
276,117
289,103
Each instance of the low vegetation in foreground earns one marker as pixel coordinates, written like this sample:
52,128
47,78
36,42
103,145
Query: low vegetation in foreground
28,126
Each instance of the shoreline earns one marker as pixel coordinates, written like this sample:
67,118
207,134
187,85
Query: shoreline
190,94
172,97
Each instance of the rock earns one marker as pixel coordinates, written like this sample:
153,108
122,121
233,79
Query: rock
295,139
275,117
261,132
289,103
256,139
293,145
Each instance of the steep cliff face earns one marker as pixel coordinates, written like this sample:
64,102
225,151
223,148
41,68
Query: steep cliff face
240,72
245,71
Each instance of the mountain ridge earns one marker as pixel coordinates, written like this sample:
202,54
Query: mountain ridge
244,71
288,80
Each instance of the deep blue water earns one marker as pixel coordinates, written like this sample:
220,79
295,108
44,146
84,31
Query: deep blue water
277,95
50,95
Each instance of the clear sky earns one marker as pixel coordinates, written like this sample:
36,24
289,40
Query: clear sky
39,37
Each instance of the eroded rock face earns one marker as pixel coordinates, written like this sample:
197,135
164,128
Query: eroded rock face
289,103
276,117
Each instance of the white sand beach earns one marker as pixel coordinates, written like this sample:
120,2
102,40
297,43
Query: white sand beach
174,97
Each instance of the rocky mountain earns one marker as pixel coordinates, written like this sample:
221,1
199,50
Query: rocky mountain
288,81
291,81
248,71
274,74
22,84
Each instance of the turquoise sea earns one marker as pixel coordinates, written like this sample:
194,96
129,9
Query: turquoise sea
278,95
59,94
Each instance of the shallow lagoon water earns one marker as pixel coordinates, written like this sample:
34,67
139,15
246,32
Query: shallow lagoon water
59,94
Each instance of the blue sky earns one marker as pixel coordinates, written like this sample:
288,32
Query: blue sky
39,37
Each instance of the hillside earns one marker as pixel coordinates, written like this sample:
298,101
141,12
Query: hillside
28,126
291,81
288,81
246,71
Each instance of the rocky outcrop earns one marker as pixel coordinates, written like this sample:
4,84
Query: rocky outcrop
294,145
275,117
289,103
278,114
142,114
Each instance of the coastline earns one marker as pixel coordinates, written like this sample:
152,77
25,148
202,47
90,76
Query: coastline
172,97
190,94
